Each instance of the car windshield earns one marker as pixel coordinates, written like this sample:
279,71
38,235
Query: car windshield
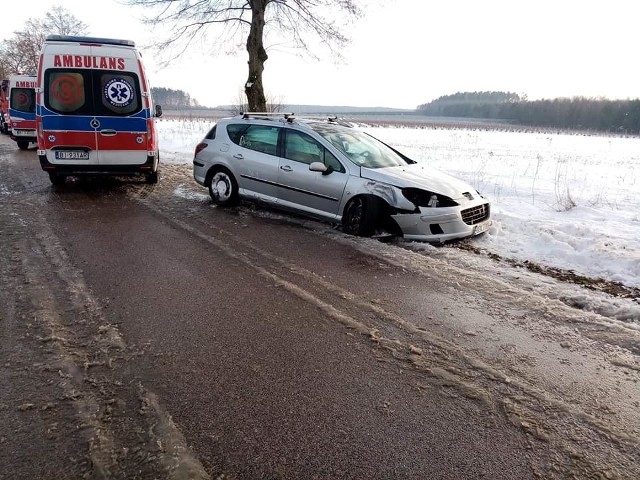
359,147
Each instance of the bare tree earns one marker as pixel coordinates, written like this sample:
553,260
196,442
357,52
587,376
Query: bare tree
273,104
4,69
191,20
20,53
59,21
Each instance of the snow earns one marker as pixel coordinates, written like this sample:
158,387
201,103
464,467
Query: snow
561,200
566,201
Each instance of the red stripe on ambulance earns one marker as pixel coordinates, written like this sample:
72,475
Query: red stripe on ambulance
69,139
123,141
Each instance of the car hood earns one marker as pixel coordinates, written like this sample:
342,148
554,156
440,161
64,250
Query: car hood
419,176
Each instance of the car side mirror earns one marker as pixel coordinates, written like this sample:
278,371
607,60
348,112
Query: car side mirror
158,111
319,167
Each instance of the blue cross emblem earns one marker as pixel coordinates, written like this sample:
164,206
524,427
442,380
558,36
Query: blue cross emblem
118,92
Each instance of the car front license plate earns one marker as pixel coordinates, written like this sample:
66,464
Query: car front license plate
73,155
481,228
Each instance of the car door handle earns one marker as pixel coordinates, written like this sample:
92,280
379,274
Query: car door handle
108,132
286,168
238,156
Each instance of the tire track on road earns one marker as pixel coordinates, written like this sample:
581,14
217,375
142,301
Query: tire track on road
542,416
124,431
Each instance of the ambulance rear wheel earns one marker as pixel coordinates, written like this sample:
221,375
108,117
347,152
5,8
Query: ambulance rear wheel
152,178
56,179
22,145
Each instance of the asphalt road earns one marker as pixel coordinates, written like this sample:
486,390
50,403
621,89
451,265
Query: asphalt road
145,333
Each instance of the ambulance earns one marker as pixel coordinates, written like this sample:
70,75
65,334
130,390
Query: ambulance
4,106
22,109
95,114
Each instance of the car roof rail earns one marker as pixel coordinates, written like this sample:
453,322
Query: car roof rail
292,117
331,119
266,114
339,121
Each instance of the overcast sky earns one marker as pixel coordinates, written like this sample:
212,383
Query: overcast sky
408,52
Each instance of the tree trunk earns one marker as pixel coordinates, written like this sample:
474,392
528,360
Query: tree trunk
257,56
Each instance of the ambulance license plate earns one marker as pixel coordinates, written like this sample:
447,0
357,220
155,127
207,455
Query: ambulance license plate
73,155
25,133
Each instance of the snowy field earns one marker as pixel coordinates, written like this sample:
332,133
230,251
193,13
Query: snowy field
560,200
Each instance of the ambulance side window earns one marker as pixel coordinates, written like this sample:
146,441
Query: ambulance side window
119,93
66,91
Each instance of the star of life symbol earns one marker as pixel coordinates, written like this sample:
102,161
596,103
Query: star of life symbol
52,138
118,92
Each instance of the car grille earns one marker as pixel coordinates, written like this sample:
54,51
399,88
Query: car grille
474,215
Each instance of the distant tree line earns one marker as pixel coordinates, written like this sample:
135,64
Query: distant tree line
173,99
581,113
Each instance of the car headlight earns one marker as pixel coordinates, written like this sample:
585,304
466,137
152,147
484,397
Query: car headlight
424,198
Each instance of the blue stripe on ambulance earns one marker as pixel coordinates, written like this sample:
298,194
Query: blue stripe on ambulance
24,115
82,123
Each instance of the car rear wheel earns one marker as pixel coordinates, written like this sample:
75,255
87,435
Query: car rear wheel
361,215
223,188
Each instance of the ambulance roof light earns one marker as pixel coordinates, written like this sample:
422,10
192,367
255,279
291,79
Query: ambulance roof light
92,40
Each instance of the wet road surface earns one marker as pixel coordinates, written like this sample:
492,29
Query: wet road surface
145,333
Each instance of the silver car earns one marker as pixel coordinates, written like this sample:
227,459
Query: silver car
333,171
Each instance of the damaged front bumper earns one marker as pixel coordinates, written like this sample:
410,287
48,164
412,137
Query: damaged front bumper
437,225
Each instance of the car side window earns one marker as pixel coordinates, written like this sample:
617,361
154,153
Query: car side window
211,135
235,131
332,162
302,148
306,149
261,138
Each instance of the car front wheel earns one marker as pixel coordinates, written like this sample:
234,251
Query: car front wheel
361,215
223,188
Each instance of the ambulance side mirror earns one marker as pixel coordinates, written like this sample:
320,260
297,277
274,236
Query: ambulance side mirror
158,112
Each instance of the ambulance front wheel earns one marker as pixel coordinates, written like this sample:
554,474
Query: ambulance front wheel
23,145
56,179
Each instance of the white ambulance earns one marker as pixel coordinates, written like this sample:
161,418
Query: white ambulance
21,118
95,114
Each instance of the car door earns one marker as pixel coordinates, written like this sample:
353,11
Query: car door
313,192
253,159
